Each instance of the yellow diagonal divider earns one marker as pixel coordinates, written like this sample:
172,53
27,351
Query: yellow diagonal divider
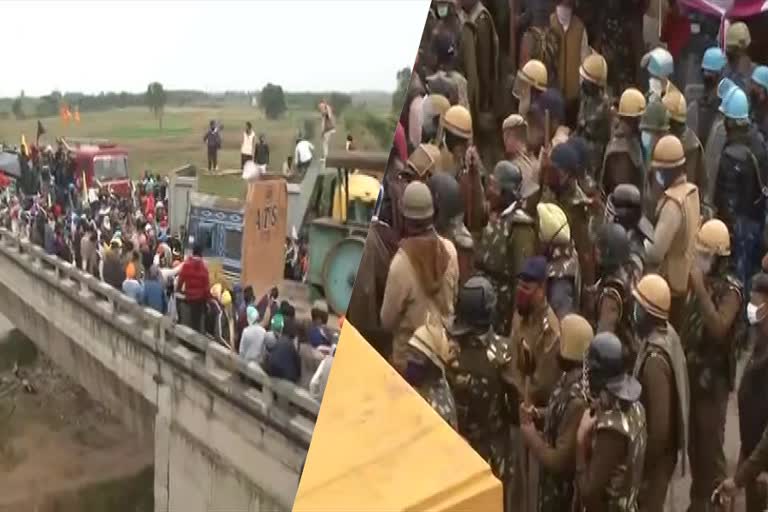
378,446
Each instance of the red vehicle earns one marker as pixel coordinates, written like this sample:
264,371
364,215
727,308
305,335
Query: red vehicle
104,164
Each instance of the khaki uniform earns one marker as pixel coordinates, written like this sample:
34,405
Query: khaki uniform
529,168
709,336
557,453
458,80
405,304
694,162
480,62
661,369
672,251
610,480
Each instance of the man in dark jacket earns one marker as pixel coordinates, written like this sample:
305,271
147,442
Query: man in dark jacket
283,361
212,138
113,270
262,154
194,283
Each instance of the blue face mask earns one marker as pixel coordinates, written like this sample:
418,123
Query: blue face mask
646,139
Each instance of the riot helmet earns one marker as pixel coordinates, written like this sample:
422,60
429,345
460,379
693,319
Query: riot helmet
446,197
612,247
604,369
475,308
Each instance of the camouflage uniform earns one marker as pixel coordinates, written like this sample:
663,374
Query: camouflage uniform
556,490
614,310
437,393
624,486
505,243
594,124
564,280
623,162
482,401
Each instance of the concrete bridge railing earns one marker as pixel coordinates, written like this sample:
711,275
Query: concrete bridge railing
274,404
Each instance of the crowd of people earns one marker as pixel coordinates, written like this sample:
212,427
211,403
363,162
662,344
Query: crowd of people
124,239
569,269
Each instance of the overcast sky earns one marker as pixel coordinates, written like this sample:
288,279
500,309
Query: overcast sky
303,45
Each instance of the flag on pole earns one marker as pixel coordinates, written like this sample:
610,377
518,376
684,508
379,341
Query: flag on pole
24,146
40,132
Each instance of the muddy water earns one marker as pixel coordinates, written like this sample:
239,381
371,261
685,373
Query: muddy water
59,450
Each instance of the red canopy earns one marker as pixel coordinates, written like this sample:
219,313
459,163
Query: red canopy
728,8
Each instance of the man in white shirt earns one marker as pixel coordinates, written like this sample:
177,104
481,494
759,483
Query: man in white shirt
303,156
320,378
249,142
252,339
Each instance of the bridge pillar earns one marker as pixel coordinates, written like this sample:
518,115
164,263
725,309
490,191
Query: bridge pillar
162,448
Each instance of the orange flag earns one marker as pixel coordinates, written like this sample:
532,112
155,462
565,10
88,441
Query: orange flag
77,114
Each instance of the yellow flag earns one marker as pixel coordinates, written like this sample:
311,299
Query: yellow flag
24,144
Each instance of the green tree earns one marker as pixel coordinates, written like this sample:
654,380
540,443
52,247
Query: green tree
48,106
17,109
272,101
156,98
398,98
338,102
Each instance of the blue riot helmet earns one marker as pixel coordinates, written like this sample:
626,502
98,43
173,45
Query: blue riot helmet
735,105
760,77
724,87
659,63
713,60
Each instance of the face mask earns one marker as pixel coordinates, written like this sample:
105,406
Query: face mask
442,11
752,313
642,321
564,14
523,301
646,138
704,263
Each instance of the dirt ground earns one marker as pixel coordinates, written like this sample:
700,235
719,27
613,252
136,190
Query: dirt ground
55,441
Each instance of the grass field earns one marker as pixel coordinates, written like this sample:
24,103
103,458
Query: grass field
180,140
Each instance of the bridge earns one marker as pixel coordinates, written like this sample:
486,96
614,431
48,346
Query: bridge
226,436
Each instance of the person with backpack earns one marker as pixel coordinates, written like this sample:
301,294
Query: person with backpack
212,138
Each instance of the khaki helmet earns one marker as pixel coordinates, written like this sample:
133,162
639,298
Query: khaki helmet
438,104
421,161
676,105
668,153
434,152
738,36
594,69
458,121
431,341
417,201
632,103
575,336
713,238
553,224
652,293
534,73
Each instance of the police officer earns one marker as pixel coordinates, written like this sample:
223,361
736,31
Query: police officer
434,108
740,66
758,99
624,162
464,164
563,189
661,369
709,335
449,220
507,240
694,151
614,289
703,111
429,354
738,195
713,148
481,394
653,126
625,207
532,370
514,132
612,436
563,271
660,66
678,213
532,80
555,446
594,120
